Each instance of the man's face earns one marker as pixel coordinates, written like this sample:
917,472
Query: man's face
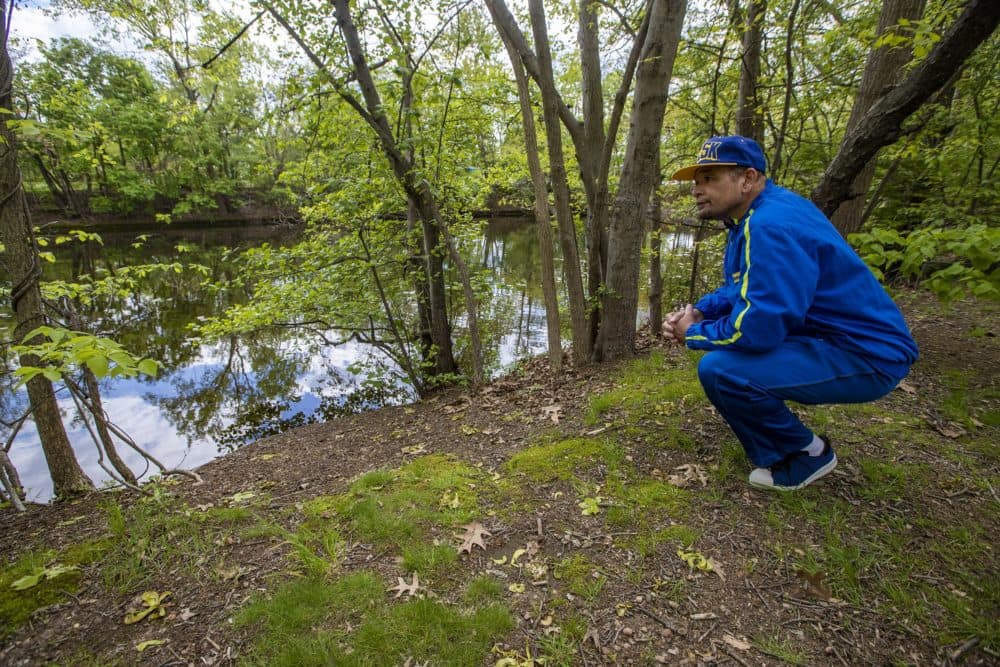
721,193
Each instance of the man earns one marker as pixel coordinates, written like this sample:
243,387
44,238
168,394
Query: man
799,317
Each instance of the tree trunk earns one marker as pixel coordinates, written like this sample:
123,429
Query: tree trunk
620,300
416,268
882,124
749,121
655,243
590,159
26,298
786,107
545,249
557,173
882,70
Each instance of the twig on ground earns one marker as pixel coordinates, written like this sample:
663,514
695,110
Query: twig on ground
659,620
969,644
734,656
754,589
707,632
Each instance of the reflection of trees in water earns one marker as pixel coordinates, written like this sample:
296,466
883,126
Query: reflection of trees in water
251,377
253,393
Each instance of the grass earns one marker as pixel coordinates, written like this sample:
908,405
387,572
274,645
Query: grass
158,529
580,576
651,381
565,459
17,606
782,649
412,511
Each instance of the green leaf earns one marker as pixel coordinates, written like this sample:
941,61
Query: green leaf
148,367
28,581
98,365
142,646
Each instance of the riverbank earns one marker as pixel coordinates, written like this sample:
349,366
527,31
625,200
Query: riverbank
619,529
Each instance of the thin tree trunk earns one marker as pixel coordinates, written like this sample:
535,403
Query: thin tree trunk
557,173
779,140
882,69
749,121
655,242
101,422
882,124
542,220
22,264
620,300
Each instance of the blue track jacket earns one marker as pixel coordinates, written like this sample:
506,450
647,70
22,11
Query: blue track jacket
788,272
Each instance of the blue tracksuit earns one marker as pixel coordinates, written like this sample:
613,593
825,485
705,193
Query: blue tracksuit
799,317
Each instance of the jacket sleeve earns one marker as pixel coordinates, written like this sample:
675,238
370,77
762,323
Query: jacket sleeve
716,304
775,289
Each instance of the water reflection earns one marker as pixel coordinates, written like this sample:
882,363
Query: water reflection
211,398
214,397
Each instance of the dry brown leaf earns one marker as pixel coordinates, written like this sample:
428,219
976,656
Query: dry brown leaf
411,589
688,473
815,584
717,568
472,537
907,387
738,644
553,412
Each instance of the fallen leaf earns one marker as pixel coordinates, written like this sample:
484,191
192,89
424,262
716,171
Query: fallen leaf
186,614
241,497
414,449
590,506
77,519
815,584
553,412
472,537
50,572
449,499
688,473
907,387
517,554
715,567
516,588
153,603
738,644
410,589
694,560
142,646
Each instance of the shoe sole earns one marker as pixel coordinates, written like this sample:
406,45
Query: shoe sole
825,470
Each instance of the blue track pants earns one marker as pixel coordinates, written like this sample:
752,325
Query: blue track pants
749,391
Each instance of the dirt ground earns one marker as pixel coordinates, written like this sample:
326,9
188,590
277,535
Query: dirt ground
709,624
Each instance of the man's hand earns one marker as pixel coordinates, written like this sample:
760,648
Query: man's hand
676,325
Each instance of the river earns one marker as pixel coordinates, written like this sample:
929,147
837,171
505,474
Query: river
213,397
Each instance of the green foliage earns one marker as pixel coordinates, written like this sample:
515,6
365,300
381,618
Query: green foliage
952,262
62,351
650,386
41,578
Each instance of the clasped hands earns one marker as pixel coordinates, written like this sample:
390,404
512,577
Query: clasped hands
676,324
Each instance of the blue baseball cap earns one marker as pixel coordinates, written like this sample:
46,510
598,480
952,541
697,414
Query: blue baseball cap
735,151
